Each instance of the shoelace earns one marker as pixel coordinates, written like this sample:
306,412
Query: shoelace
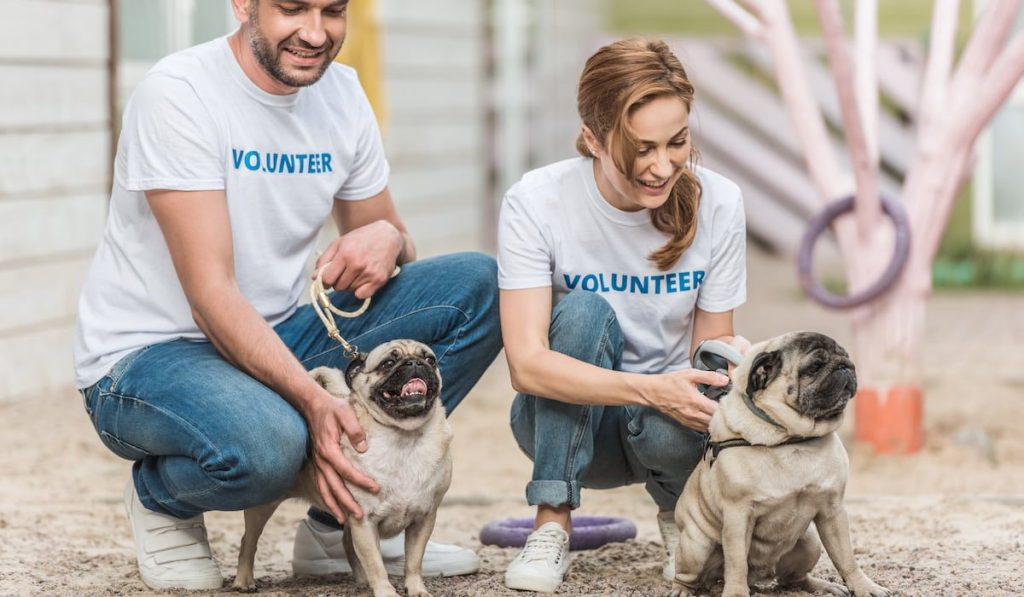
194,529
541,546
181,526
669,536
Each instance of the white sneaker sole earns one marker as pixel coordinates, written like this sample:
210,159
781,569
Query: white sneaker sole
539,584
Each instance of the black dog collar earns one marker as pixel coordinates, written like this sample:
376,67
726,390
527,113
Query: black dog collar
758,411
716,447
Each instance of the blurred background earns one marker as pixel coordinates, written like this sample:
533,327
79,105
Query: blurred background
470,94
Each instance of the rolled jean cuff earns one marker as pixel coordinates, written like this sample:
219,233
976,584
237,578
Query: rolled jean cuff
553,493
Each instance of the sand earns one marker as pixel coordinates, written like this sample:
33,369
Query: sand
948,521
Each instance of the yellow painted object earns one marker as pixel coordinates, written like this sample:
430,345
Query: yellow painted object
362,52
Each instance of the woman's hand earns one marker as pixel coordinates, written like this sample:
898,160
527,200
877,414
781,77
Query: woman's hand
676,395
741,344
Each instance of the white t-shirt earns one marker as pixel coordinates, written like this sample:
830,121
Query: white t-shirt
557,230
197,122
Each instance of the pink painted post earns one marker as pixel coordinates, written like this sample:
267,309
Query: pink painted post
888,333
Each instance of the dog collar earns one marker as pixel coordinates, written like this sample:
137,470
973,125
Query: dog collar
757,410
716,447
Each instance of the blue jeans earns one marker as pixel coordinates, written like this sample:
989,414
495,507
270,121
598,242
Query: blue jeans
599,447
206,436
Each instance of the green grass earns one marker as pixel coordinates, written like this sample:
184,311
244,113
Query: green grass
902,18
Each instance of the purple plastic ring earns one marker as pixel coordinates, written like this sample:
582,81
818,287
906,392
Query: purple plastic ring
821,222
588,532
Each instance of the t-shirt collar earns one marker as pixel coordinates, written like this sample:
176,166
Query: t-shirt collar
270,99
626,218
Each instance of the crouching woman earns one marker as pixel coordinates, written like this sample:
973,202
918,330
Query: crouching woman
613,266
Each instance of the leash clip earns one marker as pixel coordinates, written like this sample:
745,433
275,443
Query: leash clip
320,298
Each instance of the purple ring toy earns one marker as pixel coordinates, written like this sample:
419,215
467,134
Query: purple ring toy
818,225
588,532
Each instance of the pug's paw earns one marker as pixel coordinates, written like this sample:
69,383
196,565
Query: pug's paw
244,584
414,587
869,588
817,585
682,590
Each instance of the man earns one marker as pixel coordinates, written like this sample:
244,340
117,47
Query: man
190,350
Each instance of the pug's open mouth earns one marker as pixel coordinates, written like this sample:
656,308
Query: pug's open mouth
403,396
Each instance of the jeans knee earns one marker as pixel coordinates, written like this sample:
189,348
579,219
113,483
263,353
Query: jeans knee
664,446
478,277
261,466
522,423
584,326
476,274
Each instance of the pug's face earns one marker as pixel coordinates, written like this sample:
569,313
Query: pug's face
398,379
802,373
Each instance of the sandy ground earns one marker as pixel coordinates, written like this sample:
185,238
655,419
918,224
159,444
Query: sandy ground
948,521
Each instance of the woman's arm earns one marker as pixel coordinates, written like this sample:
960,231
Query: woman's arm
540,371
716,326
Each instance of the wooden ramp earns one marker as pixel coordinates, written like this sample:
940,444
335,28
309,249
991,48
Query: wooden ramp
743,130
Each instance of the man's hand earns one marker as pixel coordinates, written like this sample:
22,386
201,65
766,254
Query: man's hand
676,395
362,260
328,420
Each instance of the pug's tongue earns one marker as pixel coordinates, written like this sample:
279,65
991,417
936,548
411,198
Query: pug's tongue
414,386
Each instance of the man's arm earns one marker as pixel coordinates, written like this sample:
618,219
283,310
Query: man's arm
196,227
372,240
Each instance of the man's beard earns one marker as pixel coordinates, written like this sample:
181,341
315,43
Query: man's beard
271,63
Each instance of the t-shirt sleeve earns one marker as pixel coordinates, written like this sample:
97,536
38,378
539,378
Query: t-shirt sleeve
725,283
524,255
169,140
370,170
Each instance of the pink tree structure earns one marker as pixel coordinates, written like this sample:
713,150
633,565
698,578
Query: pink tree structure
958,98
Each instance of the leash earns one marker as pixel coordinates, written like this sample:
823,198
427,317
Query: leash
716,447
325,309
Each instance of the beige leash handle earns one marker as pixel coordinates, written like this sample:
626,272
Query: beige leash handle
321,300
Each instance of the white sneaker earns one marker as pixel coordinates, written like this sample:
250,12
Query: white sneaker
670,537
173,553
319,550
542,563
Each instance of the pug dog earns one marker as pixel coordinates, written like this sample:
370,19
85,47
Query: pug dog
395,393
773,466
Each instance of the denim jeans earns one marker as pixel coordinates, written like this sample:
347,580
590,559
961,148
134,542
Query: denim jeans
206,436
599,447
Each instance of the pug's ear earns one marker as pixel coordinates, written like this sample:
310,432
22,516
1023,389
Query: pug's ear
330,380
763,371
354,367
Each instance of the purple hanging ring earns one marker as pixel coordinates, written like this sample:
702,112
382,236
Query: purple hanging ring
819,223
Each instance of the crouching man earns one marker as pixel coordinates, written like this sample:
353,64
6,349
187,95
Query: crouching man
191,350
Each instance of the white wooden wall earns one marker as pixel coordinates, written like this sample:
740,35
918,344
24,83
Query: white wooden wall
566,33
439,136
450,118
434,84
54,162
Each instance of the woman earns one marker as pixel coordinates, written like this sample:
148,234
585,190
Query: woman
612,267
